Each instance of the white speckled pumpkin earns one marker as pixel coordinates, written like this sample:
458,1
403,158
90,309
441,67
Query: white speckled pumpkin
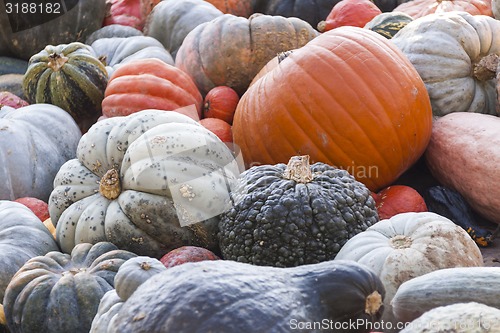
409,245
448,49
149,182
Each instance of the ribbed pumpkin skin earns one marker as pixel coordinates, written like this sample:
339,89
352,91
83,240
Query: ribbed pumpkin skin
235,7
149,84
388,24
69,76
60,292
348,98
419,8
221,46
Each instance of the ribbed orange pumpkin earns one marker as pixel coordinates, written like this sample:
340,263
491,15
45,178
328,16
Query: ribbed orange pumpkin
419,8
348,98
149,84
235,7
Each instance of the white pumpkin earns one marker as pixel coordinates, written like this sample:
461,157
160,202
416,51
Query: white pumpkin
149,182
447,50
409,245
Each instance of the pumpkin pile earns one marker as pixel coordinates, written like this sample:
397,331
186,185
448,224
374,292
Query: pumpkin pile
251,165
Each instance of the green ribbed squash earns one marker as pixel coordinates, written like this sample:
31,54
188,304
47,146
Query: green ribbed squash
69,76
388,24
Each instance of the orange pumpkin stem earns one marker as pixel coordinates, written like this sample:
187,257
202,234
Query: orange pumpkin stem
298,169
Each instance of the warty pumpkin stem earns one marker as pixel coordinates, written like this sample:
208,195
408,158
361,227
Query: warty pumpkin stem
298,169
110,186
486,68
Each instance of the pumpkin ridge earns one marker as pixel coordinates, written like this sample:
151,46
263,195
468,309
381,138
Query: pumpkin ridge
132,102
92,92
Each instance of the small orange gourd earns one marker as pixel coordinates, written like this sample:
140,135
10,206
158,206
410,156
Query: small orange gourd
354,13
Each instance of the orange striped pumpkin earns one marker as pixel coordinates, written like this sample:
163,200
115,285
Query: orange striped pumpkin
348,98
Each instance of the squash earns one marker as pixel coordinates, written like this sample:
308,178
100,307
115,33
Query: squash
227,296
388,24
149,84
295,214
451,204
223,44
9,99
219,127
149,182
9,65
321,101
185,254
117,51
22,237
462,156
495,8
60,292
419,8
27,34
220,102
349,12
131,13
45,137
69,76
463,284
13,83
171,21
466,317
396,199
39,207
409,245
235,7
311,11
457,75
112,30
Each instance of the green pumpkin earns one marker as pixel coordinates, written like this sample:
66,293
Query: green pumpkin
388,24
69,76
60,293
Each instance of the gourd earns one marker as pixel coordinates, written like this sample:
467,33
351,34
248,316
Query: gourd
221,45
39,207
45,137
69,76
9,99
59,292
445,287
171,21
220,102
349,12
9,65
22,237
185,254
389,23
317,103
419,8
457,158
235,7
112,30
78,20
149,84
409,245
149,182
219,127
117,51
12,83
468,317
396,199
460,76
227,296
289,215
131,13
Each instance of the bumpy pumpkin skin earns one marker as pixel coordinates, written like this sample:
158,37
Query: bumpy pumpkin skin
74,26
280,221
64,289
226,296
326,100
419,8
149,183
45,137
69,76
223,44
22,237
451,73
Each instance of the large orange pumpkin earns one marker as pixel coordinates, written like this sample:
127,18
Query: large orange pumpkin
348,98
419,8
149,84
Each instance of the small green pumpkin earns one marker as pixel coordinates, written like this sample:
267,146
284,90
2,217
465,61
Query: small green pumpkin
60,293
69,76
389,23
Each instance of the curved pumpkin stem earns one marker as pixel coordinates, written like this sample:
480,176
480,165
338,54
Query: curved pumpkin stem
110,186
56,61
486,68
298,169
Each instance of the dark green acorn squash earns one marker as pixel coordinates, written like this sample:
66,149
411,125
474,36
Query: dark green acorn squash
289,215
388,24
69,76
60,293
80,20
113,30
226,297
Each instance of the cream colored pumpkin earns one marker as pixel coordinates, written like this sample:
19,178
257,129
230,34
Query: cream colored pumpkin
410,245
149,182
447,49
495,8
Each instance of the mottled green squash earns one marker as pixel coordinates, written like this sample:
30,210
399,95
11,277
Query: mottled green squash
389,23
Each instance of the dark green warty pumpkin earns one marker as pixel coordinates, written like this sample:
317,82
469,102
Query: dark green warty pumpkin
389,23
59,292
289,215
69,76
225,296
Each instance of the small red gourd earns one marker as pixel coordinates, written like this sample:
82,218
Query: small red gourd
131,13
397,199
220,102
37,206
219,127
349,12
185,254
9,99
